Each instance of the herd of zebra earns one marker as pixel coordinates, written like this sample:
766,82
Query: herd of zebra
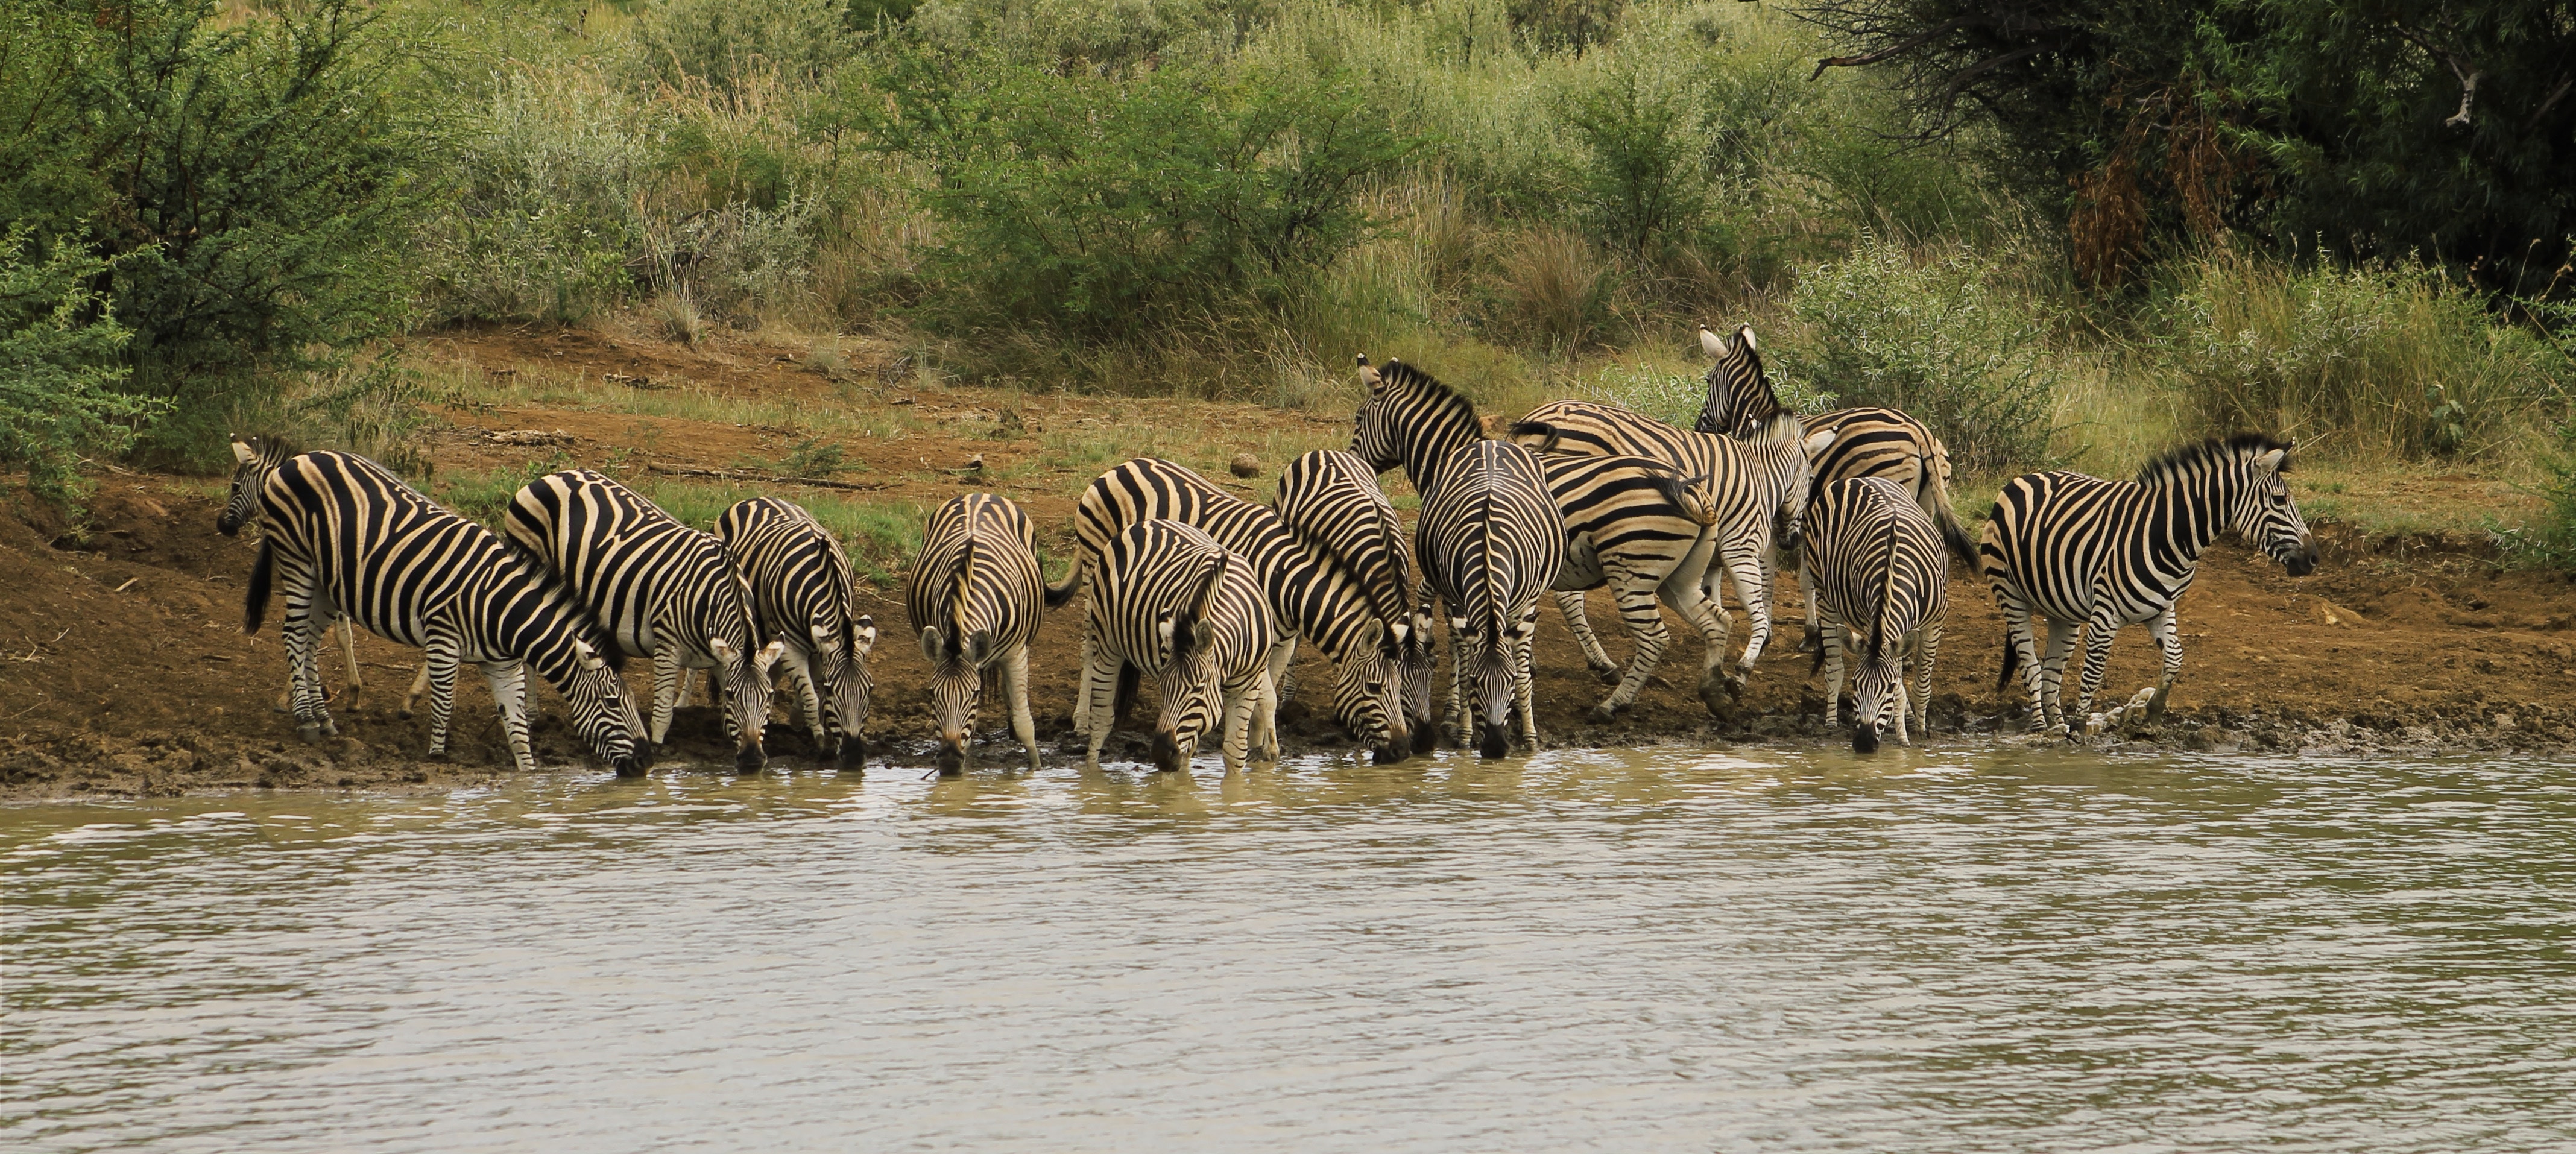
1209,594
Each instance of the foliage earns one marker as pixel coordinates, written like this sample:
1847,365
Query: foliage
1939,338
730,45
60,368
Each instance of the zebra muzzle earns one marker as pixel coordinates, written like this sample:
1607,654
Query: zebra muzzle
1167,752
749,759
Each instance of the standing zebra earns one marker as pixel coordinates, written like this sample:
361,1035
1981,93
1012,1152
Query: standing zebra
1490,541
974,599
660,588
1168,602
1877,562
1639,528
1311,595
1331,501
2099,554
804,599
254,458
1757,489
344,533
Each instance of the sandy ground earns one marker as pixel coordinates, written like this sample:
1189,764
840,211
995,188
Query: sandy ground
124,670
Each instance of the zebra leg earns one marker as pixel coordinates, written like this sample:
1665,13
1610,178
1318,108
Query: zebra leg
2098,635
1451,723
1083,689
2024,649
1265,723
795,664
2050,705
668,682
1645,622
438,675
1280,662
304,676
349,652
1812,635
2161,627
1015,686
1570,603
1756,596
1238,698
411,697
1524,680
1836,639
1927,646
510,691
1100,684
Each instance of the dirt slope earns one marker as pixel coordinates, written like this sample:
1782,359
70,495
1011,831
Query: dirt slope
124,669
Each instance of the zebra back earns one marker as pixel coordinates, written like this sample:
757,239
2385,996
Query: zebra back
975,589
407,569
1623,506
254,458
1411,420
1878,561
804,596
1490,542
655,584
1756,489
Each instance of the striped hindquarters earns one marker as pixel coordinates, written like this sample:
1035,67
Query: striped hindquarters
1171,602
1490,542
1755,490
803,595
1873,442
1630,508
1882,572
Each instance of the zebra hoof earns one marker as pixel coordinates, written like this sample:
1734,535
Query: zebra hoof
434,755
1606,674
1603,714
309,733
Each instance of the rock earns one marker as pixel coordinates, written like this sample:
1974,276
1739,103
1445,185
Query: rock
1244,465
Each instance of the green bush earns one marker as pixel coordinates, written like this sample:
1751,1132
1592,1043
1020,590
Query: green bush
731,44
61,368
1104,208
1940,338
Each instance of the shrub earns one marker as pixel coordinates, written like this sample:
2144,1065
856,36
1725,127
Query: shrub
729,44
2392,357
1940,338
60,368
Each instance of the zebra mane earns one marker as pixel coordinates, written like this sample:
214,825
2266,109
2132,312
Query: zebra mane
2185,461
551,587
1398,374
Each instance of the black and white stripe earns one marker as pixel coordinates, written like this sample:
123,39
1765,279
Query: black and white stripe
254,458
660,588
1639,528
1882,576
1168,602
2085,552
804,598
1490,541
1757,489
343,532
1312,597
974,599
1331,501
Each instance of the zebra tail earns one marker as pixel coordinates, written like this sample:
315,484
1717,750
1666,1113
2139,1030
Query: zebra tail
1548,434
1057,595
1886,596
1936,500
262,575
2012,661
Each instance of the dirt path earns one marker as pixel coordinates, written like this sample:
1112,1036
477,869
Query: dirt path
124,670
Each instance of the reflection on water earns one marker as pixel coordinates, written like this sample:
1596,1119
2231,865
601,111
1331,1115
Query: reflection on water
1955,950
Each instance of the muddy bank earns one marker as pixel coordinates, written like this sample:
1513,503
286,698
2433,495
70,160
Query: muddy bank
124,670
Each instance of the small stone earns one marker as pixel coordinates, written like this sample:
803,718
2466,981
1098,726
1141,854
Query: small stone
1244,465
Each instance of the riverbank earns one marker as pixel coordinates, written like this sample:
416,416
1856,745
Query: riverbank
124,671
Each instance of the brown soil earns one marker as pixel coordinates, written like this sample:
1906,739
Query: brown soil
124,669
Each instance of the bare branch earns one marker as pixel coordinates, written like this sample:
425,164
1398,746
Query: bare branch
1900,48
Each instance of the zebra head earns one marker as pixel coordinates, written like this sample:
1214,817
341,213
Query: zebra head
1486,655
1417,659
1368,693
1372,428
1782,456
2264,512
839,658
1740,401
254,458
744,672
1185,671
603,713
1877,689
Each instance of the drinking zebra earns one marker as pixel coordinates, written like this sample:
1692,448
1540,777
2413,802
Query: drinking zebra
974,598
1311,595
344,533
1757,489
660,588
1490,541
803,598
254,458
1331,501
1877,563
2099,554
1168,602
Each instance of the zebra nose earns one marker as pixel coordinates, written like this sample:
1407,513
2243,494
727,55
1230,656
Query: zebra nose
749,759
1865,737
1491,741
952,756
1167,751
853,753
1426,738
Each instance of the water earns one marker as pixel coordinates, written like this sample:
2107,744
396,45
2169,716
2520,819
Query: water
1958,950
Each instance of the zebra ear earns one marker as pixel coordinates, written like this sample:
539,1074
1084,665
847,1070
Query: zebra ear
1817,443
2274,461
977,644
722,648
1400,631
1711,343
822,637
768,655
588,656
1166,629
243,452
866,633
931,642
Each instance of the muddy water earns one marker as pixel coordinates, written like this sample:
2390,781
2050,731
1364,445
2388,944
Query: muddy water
1961,950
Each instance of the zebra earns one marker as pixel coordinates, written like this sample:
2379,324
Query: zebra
660,588
344,532
974,598
1331,501
804,598
1490,541
1311,595
1641,529
254,458
1877,562
1757,489
1168,601
2083,551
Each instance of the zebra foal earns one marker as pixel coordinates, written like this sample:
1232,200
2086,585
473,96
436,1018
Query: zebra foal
1490,541
2096,554
1170,603
974,598
254,458
1331,501
659,588
1879,568
803,598
345,534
